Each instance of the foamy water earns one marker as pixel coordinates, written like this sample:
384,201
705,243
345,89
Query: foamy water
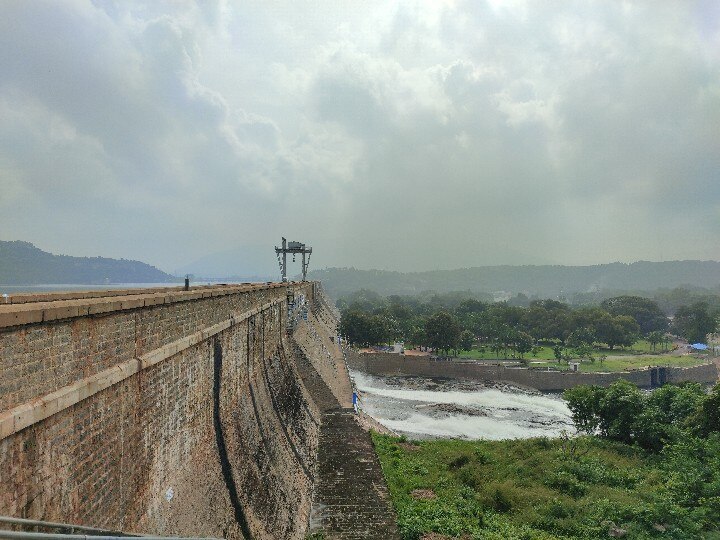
425,408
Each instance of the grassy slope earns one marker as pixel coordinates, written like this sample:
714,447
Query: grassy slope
527,489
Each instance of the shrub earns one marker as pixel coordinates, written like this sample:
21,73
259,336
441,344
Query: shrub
566,483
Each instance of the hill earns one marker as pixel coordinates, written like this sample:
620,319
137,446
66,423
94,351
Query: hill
21,263
542,281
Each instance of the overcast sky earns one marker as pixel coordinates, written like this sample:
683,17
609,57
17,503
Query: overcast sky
413,135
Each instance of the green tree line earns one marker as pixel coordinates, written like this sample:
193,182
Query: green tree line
457,321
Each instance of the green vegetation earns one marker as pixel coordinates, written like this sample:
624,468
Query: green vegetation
455,322
695,321
626,363
622,360
652,472
21,263
546,352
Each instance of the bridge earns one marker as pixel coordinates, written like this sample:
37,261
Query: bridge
218,411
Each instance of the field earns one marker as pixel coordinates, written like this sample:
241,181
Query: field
625,363
637,357
530,489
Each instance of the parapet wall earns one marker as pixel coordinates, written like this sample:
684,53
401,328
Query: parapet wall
386,364
166,412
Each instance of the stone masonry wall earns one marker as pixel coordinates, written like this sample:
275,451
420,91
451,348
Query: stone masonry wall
386,364
218,439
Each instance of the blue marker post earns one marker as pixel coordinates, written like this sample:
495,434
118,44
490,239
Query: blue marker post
355,402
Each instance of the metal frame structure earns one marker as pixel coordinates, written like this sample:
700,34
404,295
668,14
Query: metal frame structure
293,248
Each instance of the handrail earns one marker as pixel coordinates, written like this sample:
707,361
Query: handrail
95,533
18,535
56,525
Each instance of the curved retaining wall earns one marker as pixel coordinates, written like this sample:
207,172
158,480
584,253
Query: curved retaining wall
168,412
386,364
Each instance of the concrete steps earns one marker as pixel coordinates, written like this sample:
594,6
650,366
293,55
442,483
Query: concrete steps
350,500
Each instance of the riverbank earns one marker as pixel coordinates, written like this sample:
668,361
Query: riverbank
386,364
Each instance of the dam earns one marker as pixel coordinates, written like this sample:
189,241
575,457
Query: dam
219,411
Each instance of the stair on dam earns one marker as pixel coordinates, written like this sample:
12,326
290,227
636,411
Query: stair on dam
351,500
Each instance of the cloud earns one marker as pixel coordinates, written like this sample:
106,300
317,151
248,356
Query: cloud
409,136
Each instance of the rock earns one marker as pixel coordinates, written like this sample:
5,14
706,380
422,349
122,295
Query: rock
617,532
422,494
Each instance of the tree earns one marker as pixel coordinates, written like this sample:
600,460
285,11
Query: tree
666,415
354,327
443,331
363,329
654,338
694,322
523,343
707,418
580,337
619,330
467,340
418,336
584,404
620,405
644,311
363,300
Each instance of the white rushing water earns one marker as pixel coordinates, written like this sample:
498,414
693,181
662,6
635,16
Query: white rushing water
426,408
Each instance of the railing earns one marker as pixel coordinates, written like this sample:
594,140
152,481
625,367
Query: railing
67,531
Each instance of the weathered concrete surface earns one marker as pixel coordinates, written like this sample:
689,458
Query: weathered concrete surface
351,500
142,454
182,413
386,364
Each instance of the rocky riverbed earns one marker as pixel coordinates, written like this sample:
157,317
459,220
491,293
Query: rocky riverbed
437,408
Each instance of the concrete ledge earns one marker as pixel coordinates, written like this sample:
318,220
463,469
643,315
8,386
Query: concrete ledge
39,409
57,306
25,298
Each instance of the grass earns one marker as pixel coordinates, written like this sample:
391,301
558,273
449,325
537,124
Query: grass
638,356
625,363
544,353
528,489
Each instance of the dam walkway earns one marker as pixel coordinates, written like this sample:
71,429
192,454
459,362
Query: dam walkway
351,500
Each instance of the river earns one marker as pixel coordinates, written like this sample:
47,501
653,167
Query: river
423,408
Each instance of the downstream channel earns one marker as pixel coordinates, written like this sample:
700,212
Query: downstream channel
423,408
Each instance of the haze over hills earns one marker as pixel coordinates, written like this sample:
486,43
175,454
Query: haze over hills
543,281
248,263
21,263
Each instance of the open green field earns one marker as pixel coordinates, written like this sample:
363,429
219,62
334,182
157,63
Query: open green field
545,352
533,489
625,363
637,357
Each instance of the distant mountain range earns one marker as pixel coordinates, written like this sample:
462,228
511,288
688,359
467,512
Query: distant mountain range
541,281
243,263
21,263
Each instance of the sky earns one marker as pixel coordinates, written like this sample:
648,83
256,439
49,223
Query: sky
390,135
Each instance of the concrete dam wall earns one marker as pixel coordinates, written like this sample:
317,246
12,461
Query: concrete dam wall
166,411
